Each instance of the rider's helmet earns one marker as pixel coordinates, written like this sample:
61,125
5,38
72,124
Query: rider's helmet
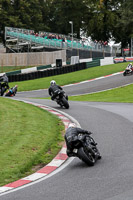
72,125
130,63
52,82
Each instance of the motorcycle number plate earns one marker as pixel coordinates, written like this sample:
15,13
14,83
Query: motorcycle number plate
75,150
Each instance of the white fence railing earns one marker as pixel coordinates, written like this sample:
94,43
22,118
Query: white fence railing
53,40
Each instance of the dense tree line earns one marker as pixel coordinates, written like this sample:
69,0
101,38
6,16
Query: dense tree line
100,19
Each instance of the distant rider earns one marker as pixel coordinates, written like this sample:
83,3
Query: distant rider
53,89
13,90
71,135
130,67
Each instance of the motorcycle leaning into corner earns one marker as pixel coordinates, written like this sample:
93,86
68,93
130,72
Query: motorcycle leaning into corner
61,99
80,144
86,149
12,91
57,94
128,70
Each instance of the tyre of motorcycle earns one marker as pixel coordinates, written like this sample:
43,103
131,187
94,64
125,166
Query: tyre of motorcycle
88,158
60,103
3,89
65,103
8,94
124,73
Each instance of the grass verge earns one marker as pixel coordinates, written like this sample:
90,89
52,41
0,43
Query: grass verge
68,78
122,95
12,68
27,139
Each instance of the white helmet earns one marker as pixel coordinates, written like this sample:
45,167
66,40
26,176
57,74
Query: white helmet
2,74
52,82
130,63
72,125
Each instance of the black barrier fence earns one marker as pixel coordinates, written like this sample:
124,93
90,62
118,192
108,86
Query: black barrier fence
47,72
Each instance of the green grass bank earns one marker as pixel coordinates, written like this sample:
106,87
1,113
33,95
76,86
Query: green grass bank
122,95
12,68
27,139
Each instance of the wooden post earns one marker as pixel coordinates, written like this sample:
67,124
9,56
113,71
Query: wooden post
91,53
2,63
15,62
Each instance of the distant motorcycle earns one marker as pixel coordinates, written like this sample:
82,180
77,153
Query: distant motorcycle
62,99
127,72
12,91
86,149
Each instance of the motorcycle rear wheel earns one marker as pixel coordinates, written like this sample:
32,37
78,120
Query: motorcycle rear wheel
86,157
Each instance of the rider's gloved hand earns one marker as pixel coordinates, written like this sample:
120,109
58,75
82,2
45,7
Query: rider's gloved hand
89,132
69,153
52,98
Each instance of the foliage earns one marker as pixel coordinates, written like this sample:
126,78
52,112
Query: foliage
64,11
102,20
124,23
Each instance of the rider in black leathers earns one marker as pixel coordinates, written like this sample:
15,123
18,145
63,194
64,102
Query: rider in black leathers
71,135
3,84
53,89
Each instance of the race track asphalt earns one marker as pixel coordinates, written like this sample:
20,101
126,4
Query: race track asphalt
89,86
112,177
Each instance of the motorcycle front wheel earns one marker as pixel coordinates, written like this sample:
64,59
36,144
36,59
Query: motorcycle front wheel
65,103
124,73
8,94
88,158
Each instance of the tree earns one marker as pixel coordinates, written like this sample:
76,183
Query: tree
45,10
5,16
28,13
63,11
101,18
124,23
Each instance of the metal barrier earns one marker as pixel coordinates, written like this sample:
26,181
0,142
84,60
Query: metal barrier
43,40
46,73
